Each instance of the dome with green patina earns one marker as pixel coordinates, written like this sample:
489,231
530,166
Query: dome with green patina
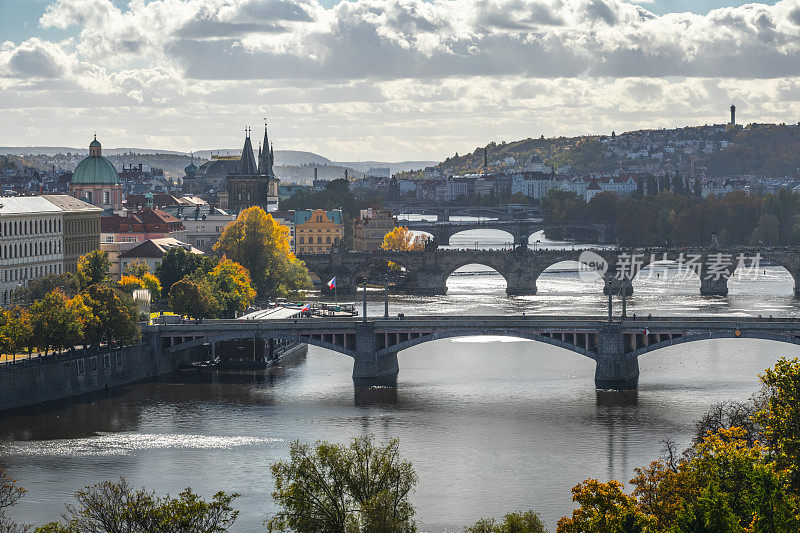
95,169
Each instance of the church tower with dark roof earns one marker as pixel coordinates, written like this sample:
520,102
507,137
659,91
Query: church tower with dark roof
255,183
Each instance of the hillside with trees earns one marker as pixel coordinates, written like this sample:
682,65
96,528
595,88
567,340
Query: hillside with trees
770,150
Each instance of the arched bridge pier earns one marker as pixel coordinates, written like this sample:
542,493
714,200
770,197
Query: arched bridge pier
519,230
427,271
615,346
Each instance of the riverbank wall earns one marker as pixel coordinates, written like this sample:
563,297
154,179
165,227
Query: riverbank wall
56,377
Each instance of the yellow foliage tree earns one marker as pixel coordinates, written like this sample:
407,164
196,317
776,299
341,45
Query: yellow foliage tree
129,284
261,245
401,239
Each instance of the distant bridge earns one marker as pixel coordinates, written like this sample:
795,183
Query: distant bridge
615,346
427,271
444,212
519,230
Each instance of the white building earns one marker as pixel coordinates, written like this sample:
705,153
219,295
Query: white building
31,242
203,229
286,218
451,189
152,252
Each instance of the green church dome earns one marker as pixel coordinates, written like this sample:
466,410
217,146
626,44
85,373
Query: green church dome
95,169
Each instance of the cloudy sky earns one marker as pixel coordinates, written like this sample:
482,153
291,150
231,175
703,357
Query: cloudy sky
381,79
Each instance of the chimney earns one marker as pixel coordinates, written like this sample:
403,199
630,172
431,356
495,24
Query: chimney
315,173
345,174
733,115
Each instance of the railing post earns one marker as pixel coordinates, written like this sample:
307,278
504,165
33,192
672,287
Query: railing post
386,296
364,318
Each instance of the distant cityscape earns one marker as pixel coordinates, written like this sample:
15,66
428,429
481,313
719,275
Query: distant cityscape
141,205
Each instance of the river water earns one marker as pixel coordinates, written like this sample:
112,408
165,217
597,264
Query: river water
492,425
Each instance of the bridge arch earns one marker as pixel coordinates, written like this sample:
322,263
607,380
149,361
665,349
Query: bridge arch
484,286
230,336
465,236
586,352
789,339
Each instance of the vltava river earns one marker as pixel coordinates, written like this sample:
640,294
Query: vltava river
492,425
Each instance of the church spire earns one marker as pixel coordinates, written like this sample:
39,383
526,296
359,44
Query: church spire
247,165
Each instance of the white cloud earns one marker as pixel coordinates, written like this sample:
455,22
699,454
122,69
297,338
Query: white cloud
399,79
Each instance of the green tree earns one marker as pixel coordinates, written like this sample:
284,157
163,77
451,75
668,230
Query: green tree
56,324
231,287
115,507
178,263
93,269
15,330
519,522
39,287
191,299
361,487
117,316
261,245
137,269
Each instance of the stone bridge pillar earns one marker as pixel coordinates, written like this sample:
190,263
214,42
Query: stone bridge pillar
520,282
521,239
614,370
429,283
368,369
714,275
443,217
441,235
614,284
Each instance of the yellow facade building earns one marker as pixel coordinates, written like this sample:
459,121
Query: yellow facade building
316,231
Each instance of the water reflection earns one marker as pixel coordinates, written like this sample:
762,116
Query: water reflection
491,424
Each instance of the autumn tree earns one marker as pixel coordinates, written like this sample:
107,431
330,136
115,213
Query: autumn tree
56,323
10,494
137,269
231,287
114,506
780,418
16,330
93,269
604,508
261,245
151,283
117,316
361,487
128,283
401,239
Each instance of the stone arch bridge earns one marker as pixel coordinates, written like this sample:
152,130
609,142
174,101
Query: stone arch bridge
519,230
615,346
427,271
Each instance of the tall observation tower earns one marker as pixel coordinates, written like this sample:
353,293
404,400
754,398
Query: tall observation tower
733,115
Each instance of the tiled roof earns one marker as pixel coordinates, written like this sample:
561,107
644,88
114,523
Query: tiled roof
156,248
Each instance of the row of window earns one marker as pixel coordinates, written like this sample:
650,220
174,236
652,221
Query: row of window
314,230
26,273
82,226
319,240
87,197
311,250
30,249
81,247
12,228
